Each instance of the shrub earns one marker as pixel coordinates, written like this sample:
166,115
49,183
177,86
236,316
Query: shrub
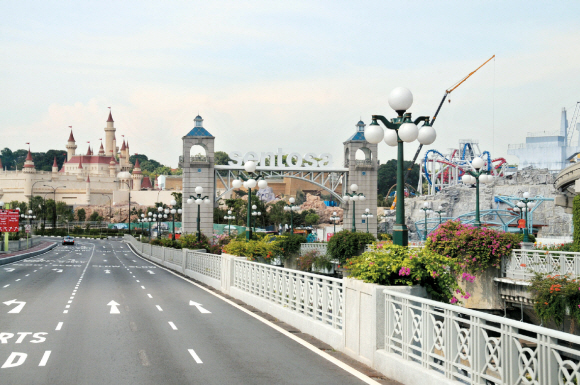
305,261
266,248
555,296
345,244
556,247
472,248
399,265
290,244
576,219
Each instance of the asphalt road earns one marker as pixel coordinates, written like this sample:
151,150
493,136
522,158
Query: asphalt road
95,313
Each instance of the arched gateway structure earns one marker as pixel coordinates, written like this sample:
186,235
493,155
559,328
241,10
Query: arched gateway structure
199,169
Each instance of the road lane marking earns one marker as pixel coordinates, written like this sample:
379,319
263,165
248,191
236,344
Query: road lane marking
149,295
66,311
142,287
172,325
138,281
143,357
69,302
27,275
59,326
44,358
18,280
302,342
195,356
114,308
7,285
67,306
72,298
159,308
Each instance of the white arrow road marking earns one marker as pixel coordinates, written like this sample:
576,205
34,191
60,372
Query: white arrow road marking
195,356
199,307
44,359
58,270
9,269
114,309
107,271
17,308
150,272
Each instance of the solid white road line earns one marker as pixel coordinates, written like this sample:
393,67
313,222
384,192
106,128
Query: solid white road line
44,358
149,295
159,308
172,325
195,356
307,345
59,326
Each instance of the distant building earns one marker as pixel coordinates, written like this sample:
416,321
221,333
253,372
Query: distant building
552,150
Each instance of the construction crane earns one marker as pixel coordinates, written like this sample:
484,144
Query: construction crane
447,92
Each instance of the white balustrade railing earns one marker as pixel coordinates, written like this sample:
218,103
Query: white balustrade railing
522,264
204,263
176,256
473,347
319,247
320,298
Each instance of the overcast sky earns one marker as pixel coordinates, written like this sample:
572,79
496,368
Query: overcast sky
270,74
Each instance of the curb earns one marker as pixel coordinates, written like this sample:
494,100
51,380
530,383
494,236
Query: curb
15,258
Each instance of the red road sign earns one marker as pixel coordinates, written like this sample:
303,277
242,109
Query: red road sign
9,221
521,223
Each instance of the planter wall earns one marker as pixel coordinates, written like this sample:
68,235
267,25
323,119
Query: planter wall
484,291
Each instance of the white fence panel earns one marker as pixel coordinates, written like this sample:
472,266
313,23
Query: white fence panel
204,263
320,298
522,263
157,251
477,348
320,247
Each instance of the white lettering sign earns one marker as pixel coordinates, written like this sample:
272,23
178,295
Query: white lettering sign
281,159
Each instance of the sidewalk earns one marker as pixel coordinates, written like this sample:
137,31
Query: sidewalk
22,254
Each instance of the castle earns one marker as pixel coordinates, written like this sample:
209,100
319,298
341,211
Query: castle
91,179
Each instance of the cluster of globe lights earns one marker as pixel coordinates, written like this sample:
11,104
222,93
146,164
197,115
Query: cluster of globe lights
29,216
367,214
354,198
256,213
198,201
477,163
428,210
250,167
521,206
400,99
229,216
291,208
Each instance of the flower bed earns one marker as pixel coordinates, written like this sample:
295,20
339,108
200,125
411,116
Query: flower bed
556,296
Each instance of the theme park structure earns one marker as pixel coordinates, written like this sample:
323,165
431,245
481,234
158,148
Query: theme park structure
444,170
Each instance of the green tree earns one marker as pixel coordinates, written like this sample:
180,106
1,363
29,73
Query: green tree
81,215
95,217
387,175
311,219
221,158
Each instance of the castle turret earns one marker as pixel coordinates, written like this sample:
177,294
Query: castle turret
115,148
110,136
29,164
70,146
122,155
89,152
88,192
101,150
54,166
137,176
80,167
112,167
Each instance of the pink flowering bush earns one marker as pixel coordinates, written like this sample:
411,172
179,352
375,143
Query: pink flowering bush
397,265
473,249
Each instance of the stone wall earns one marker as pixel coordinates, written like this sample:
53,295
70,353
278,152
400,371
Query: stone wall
460,199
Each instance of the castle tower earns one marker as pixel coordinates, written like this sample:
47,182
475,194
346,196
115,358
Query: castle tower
112,168
54,166
70,147
137,176
110,136
364,173
122,155
29,164
101,150
198,173
88,191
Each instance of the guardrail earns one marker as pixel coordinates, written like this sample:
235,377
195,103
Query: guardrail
21,244
204,263
521,264
317,297
477,348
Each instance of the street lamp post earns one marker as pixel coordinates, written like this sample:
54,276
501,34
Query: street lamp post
149,219
253,180
400,129
291,208
229,217
198,198
334,218
354,196
440,211
255,214
526,205
476,177
173,211
54,211
366,215
427,210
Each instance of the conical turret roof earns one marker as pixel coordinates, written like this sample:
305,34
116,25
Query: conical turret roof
71,138
110,118
54,164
